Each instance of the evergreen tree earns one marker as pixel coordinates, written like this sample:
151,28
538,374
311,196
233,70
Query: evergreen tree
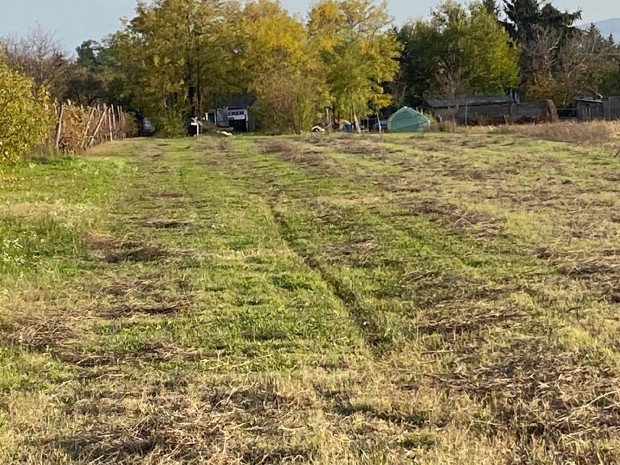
538,27
492,8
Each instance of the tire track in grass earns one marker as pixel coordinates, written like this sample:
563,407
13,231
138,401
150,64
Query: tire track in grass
367,322
491,366
362,392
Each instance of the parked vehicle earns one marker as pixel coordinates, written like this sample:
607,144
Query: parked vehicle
384,126
146,128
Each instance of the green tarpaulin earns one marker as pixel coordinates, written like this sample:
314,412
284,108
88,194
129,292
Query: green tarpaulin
408,120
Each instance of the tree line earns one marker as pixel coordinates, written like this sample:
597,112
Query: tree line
178,58
526,45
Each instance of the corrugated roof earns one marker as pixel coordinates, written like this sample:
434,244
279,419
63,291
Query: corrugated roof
588,100
450,102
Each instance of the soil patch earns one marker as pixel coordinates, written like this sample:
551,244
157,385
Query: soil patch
124,310
160,223
454,217
116,250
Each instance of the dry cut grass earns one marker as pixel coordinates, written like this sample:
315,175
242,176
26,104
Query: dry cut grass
438,299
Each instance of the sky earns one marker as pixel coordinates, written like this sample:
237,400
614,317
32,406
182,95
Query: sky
73,21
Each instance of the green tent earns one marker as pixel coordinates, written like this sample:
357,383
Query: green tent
408,120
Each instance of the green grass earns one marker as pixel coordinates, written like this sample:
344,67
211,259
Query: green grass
440,299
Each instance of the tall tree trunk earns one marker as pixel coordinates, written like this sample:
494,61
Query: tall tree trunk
357,123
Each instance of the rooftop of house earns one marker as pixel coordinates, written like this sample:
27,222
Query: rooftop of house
451,102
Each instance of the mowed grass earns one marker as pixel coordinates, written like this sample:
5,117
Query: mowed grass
436,299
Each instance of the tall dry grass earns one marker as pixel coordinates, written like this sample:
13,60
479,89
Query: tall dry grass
595,132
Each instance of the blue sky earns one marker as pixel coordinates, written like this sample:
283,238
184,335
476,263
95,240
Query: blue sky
76,20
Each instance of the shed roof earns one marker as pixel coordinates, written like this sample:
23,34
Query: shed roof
450,102
587,94
588,100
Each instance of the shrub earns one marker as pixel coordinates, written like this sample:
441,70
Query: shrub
26,116
289,103
170,125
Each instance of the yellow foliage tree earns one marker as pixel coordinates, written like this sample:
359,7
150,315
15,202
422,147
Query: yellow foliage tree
359,53
175,57
280,67
26,118
177,54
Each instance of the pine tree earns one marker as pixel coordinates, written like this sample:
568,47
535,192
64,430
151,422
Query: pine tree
525,17
541,30
492,8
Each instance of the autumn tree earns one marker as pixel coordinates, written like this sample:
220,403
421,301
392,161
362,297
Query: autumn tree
459,51
359,53
275,62
558,59
174,57
26,116
564,67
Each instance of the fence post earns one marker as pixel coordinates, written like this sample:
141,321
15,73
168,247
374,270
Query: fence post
90,117
111,122
104,123
97,128
120,123
59,127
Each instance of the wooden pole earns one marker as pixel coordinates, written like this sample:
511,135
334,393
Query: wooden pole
102,135
111,122
59,128
90,118
97,128
121,118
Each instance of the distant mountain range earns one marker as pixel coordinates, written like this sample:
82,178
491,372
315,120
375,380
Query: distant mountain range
607,27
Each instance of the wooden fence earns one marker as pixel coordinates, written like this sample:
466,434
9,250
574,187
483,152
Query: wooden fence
499,113
591,110
79,128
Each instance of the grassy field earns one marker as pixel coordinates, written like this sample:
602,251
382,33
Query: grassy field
437,299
